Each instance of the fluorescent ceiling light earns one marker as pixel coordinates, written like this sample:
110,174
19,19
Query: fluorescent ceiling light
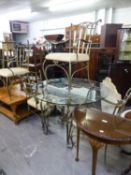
56,2
66,5
21,14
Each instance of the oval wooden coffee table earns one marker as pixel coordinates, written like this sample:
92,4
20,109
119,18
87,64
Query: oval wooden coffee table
101,128
128,116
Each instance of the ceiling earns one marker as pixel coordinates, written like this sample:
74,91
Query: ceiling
42,10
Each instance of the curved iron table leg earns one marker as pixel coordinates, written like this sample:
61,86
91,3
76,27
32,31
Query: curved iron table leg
2,172
67,119
45,117
125,172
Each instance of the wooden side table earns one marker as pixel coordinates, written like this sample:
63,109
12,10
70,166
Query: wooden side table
101,128
14,106
126,171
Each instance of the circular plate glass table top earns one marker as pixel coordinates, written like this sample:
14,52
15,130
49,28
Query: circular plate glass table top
80,92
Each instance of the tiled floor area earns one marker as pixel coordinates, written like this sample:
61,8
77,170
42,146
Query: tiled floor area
25,150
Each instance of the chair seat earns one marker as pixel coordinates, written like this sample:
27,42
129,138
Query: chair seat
126,114
37,105
111,95
15,71
34,65
68,57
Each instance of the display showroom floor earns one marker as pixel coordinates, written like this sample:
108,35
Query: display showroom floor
25,150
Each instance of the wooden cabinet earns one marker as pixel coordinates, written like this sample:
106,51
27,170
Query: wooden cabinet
121,70
94,63
120,74
109,35
124,44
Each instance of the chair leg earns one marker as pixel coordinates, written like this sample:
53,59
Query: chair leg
69,133
125,172
44,120
2,172
125,151
45,113
77,144
105,154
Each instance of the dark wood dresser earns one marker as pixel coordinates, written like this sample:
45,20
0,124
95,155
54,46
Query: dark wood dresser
121,75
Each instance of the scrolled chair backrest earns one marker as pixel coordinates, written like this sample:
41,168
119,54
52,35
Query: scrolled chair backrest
113,98
31,85
24,52
127,95
79,36
113,102
8,53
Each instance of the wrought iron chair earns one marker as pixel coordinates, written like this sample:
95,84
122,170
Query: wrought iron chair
113,100
114,103
78,49
12,60
34,88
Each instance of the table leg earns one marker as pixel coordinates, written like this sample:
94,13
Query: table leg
8,88
95,145
67,118
77,144
125,172
44,121
2,172
45,117
13,108
69,128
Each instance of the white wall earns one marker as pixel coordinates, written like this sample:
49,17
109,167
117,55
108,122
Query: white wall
39,28
4,28
35,30
57,25
109,15
122,15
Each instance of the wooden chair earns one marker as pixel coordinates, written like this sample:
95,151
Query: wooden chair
36,60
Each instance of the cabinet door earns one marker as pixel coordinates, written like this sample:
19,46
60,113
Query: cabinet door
124,44
121,77
109,35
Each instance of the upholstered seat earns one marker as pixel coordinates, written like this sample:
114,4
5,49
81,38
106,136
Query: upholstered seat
15,71
77,50
125,114
13,57
33,89
68,57
44,108
38,104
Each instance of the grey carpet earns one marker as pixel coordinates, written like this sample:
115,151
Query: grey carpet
25,150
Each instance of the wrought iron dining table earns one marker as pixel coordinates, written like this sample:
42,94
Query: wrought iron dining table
83,92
